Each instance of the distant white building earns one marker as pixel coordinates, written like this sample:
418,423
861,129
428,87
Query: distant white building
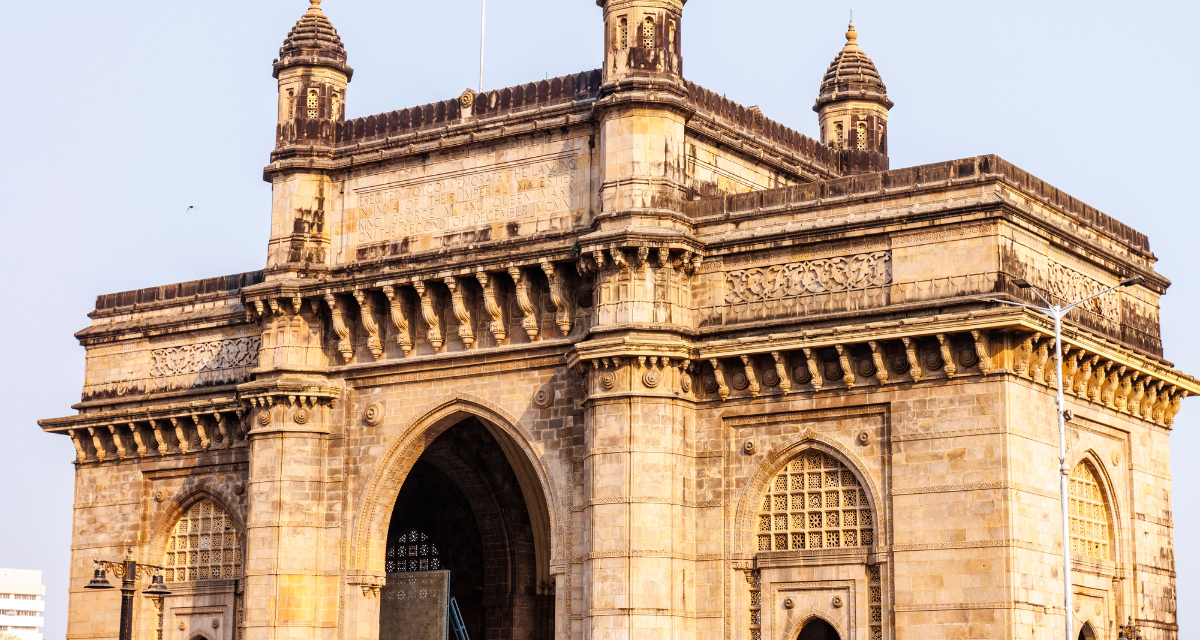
22,603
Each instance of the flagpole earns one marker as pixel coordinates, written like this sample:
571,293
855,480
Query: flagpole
482,36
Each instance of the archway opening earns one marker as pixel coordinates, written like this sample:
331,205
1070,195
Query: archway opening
463,509
1086,633
818,629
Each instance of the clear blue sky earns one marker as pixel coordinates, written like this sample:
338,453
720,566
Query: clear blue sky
124,113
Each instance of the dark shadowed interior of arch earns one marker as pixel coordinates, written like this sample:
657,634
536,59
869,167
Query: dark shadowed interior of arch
818,629
461,508
1086,633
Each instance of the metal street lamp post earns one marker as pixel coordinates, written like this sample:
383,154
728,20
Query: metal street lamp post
128,570
1057,313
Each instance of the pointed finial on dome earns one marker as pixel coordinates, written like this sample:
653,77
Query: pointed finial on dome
316,3
851,34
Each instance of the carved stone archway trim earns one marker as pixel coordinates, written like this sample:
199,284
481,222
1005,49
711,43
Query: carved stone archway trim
378,496
793,630
776,459
180,505
1096,462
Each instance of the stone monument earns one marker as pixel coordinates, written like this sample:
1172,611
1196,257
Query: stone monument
630,361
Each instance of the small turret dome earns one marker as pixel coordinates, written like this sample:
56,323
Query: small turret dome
852,76
313,42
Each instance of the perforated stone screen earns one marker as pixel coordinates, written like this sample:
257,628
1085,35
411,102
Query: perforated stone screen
203,546
1089,515
815,502
413,551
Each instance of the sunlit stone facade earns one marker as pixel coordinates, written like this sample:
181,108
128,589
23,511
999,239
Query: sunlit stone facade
631,361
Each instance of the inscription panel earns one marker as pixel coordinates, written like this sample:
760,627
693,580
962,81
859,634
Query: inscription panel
469,205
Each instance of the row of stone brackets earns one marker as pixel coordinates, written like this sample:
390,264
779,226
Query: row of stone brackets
189,424
1102,376
340,309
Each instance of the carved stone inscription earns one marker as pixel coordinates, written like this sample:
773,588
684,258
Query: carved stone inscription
809,277
466,201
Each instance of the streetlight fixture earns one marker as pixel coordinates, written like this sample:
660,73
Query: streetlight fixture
129,570
1057,313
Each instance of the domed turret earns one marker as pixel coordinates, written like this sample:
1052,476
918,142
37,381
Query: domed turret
853,104
313,75
313,42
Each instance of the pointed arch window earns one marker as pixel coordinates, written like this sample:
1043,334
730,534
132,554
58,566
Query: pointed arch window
815,502
203,546
1090,522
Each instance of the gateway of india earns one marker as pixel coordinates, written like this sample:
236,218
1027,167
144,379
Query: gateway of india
611,357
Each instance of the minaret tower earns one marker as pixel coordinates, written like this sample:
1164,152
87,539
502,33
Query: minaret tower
312,74
642,111
853,105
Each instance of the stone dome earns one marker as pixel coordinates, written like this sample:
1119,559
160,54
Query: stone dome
852,76
313,42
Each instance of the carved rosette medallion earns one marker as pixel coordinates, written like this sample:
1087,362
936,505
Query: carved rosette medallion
750,448
264,417
608,379
710,383
301,416
968,357
740,381
865,368
685,382
801,375
899,364
833,371
932,361
584,299
373,414
651,378
544,397
770,378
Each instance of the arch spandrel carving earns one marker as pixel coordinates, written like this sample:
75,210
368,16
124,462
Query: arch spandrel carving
775,461
378,496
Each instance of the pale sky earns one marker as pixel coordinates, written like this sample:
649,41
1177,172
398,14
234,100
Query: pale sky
124,113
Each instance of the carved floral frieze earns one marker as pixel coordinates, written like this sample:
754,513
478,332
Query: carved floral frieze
1065,283
207,356
758,284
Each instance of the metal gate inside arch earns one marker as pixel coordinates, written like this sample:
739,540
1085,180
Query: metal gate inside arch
461,529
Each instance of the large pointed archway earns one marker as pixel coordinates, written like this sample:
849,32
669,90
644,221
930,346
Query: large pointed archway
461,509
465,479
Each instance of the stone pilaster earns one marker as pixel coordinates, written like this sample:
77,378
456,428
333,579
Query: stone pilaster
289,595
